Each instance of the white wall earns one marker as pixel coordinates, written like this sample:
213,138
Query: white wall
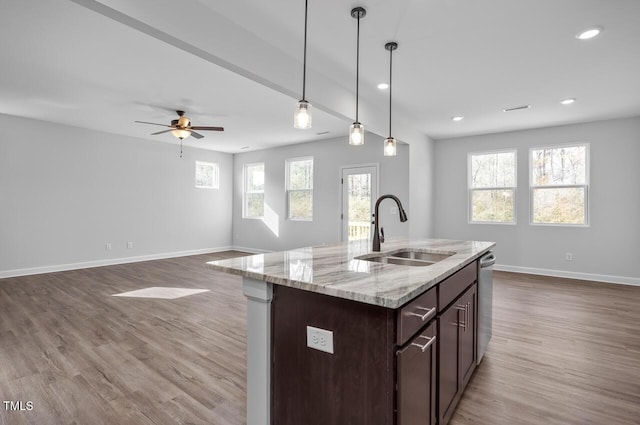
66,191
278,233
422,184
609,249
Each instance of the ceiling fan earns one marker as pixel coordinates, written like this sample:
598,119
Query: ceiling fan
182,128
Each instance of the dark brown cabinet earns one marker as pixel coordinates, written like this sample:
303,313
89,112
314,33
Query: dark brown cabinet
457,351
416,388
405,366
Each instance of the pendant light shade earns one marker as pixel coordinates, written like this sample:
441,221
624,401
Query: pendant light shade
356,134
356,131
302,116
390,146
390,142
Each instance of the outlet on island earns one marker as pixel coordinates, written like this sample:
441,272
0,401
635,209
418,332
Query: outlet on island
320,339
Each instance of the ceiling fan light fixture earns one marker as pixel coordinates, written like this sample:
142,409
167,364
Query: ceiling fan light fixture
356,134
390,146
302,117
184,121
181,133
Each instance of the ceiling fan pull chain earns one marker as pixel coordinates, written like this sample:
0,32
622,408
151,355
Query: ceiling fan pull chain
180,148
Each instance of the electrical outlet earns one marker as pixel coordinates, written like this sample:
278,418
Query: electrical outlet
107,246
568,256
129,245
320,339
394,210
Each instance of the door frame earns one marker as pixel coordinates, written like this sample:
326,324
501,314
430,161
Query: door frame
374,196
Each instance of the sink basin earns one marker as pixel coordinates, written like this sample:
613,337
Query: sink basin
399,261
406,257
424,256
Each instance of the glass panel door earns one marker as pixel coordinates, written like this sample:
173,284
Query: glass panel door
359,192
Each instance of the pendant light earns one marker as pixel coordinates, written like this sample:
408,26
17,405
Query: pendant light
302,116
390,142
356,131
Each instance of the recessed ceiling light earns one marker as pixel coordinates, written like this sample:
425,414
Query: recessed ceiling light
458,118
590,33
567,101
516,108
383,86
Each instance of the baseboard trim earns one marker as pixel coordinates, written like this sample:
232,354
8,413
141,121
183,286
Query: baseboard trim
109,262
250,250
623,280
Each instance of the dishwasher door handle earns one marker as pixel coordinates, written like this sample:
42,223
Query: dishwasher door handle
488,260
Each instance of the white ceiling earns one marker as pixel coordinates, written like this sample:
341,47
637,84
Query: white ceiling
103,64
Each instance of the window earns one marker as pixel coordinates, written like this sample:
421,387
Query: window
559,183
207,175
253,195
492,187
300,188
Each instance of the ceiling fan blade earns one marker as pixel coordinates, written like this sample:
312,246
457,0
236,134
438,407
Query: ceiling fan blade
160,132
196,135
208,128
153,123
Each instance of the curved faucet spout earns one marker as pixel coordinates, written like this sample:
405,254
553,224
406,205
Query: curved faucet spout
376,232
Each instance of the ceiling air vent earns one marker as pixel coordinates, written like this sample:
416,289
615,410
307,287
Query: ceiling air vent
516,108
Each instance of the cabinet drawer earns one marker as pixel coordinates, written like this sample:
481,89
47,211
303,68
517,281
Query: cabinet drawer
413,316
455,285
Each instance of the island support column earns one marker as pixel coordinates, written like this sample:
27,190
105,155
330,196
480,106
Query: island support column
259,295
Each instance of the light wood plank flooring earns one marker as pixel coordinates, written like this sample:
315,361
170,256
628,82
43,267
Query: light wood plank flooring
563,351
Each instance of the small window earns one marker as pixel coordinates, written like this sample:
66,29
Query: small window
253,194
207,175
300,188
559,185
492,187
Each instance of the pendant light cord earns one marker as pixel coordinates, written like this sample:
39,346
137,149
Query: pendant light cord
304,66
357,66
390,86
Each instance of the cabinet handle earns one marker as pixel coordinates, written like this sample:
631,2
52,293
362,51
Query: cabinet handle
423,317
463,325
427,345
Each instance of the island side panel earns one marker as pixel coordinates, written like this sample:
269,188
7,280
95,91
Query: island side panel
355,384
259,295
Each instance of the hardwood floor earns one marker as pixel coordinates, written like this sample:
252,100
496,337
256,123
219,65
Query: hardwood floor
563,351
82,356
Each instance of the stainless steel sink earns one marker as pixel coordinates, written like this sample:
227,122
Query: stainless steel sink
407,257
419,255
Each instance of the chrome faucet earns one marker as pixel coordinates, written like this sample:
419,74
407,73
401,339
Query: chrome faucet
379,236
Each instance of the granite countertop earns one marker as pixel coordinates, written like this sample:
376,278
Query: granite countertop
333,270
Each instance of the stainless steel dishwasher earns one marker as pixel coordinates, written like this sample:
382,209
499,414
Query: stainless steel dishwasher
485,302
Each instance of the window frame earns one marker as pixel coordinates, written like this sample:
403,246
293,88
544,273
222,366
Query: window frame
245,191
288,190
586,185
471,190
216,175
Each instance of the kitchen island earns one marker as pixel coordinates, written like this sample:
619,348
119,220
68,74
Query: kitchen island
335,334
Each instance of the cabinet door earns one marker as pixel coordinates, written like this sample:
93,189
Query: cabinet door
448,325
417,379
467,335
